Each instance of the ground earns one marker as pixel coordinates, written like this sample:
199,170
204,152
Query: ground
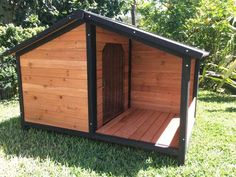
212,149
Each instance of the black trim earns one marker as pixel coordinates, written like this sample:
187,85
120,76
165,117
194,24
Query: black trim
184,102
76,16
52,36
184,51
105,138
134,37
134,143
195,84
132,32
20,91
92,78
57,129
129,74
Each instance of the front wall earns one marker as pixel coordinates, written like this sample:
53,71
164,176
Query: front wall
54,82
156,79
102,37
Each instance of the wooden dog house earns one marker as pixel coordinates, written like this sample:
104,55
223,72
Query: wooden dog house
92,76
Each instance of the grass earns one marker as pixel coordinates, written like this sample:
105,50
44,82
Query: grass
212,150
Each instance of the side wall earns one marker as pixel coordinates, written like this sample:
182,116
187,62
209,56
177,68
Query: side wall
102,37
54,82
156,79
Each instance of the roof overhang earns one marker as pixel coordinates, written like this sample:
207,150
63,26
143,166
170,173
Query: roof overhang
131,32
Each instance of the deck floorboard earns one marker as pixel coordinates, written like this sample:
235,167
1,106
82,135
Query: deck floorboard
159,128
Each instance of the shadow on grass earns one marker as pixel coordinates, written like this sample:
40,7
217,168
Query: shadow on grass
229,109
78,152
214,97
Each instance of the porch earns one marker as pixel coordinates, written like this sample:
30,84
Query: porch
151,126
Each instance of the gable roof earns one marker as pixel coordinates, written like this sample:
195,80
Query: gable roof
132,32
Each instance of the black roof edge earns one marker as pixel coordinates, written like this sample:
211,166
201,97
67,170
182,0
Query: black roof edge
78,15
133,32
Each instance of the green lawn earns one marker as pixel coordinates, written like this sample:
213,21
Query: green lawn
212,149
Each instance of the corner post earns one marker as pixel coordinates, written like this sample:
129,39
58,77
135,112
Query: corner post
195,84
184,102
130,71
91,72
20,91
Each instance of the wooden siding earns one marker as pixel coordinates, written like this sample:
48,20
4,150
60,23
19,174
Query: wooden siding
191,81
102,37
156,79
54,77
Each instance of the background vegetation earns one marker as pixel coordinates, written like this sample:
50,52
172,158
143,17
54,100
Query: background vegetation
207,24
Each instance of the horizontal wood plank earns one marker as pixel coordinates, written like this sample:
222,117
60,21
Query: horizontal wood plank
54,72
156,79
54,82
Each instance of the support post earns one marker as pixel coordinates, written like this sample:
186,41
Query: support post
130,69
92,81
184,102
195,84
20,91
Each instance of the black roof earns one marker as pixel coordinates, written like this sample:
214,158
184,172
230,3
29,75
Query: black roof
130,31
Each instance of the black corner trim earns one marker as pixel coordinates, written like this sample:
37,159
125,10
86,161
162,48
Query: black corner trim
20,90
92,81
130,73
184,102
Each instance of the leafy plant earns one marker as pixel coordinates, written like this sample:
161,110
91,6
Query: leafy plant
167,17
207,24
219,78
9,37
47,12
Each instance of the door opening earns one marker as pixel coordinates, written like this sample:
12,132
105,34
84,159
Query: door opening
113,81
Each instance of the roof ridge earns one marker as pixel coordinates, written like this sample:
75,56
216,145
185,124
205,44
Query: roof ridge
132,32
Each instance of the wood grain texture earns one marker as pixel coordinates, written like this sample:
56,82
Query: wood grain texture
158,128
156,79
54,82
191,81
102,37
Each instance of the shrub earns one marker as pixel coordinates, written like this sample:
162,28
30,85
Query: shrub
10,36
208,24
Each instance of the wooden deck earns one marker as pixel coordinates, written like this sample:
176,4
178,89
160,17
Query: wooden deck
159,128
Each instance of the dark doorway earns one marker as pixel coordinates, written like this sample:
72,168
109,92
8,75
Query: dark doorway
113,81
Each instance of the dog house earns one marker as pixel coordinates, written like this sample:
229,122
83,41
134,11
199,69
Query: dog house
92,76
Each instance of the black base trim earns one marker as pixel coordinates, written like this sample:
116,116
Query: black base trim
134,143
104,138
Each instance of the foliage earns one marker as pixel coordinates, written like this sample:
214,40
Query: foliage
218,34
211,151
207,24
47,12
219,78
167,17
9,37
211,29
